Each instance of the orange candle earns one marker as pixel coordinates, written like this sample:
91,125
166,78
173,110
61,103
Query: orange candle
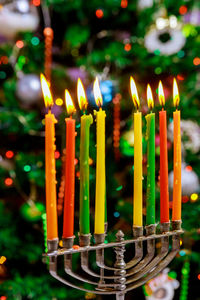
68,218
50,169
176,208
164,192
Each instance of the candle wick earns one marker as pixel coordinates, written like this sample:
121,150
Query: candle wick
70,116
162,107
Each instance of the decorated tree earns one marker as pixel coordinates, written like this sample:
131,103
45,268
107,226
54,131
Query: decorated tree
150,40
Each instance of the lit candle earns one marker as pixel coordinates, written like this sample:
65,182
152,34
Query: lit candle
68,218
150,136
50,169
164,192
137,198
176,208
86,121
100,163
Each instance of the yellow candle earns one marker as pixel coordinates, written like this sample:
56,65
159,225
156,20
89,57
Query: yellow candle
137,198
50,169
176,208
100,163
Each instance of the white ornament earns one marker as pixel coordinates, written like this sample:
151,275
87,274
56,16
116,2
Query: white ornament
162,287
28,89
142,4
189,181
18,17
189,129
173,45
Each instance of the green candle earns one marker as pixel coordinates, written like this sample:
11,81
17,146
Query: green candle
86,121
84,220
150,137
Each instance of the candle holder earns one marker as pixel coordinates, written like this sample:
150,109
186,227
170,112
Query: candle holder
122,277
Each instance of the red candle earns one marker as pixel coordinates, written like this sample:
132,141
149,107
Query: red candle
164,191
68,218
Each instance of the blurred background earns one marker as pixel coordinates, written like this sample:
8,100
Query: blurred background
150,39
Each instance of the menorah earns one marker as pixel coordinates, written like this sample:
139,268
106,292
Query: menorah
148,259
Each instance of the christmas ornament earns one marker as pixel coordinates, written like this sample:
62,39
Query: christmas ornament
191,131
189,180
162,286
192,17
28,89
143,4
18,16
32,211
167,41
107,91
166,36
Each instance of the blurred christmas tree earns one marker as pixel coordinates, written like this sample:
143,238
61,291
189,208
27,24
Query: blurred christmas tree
151,40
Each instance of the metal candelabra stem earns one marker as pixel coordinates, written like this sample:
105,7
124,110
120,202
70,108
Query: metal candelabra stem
123,276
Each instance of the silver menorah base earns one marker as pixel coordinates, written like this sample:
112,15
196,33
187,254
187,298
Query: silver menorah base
149,259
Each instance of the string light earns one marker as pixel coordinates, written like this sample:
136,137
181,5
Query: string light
57,154
90,161
196,61
35,41
20,44
99,13
127,47
48,34
188,168
36,2
8,181
183,9
44,221
184,280
62,186
2,260
59,102
119,188
194,197
116,214
124,3
180,77
4,60
198,276
185,199
9,154
116,125
27,168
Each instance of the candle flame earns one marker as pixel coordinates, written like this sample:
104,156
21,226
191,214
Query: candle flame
161,94
48,100
82,99
69,103
176,97
97,93
150,97
134,93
